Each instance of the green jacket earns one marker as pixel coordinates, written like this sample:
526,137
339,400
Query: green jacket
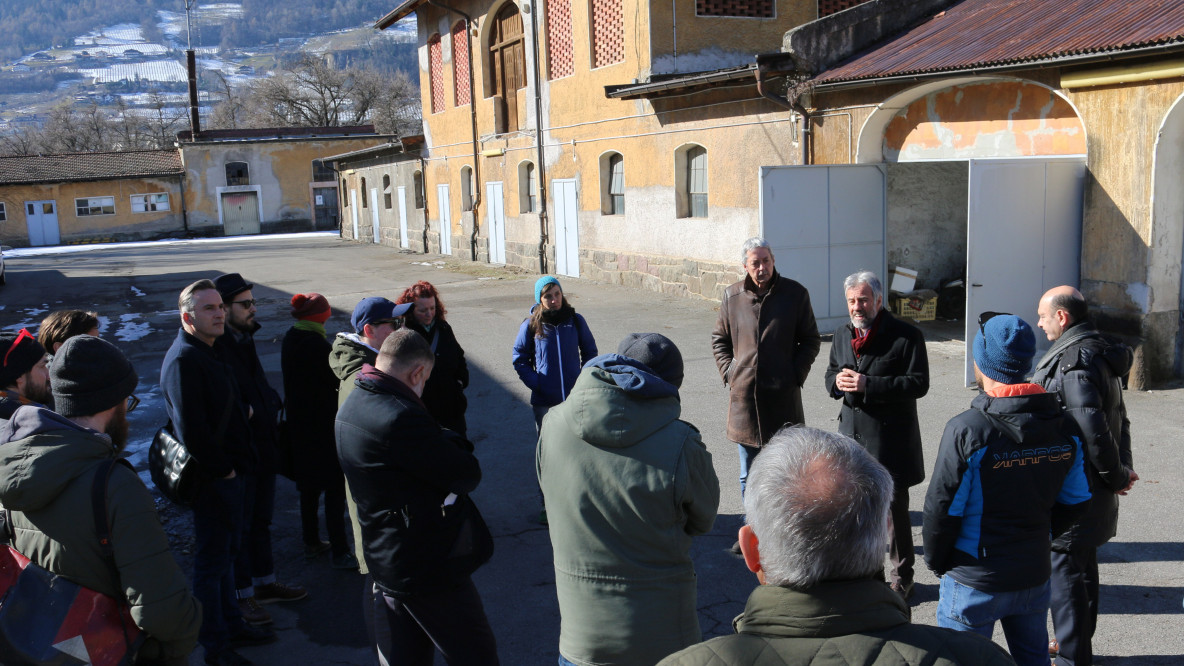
47,466
842,623
626,484
346,357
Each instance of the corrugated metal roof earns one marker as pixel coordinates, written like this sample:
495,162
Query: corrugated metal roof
72,167
985,33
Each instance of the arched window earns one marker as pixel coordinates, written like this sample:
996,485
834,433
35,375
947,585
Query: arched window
612,184
690,180
364,195
460,65
436,73
507,65
466,188
237,173
528,188
386,191
418,184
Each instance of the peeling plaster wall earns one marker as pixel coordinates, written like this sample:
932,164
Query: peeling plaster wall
1001,119
124,225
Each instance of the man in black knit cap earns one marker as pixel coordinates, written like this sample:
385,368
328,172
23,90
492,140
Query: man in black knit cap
24,373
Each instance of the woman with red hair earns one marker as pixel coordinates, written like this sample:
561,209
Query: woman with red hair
444,393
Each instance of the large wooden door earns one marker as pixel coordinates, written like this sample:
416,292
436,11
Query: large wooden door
508,55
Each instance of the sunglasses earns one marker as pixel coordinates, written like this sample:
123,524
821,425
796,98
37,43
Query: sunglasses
247,304
397,322
986,317
132,403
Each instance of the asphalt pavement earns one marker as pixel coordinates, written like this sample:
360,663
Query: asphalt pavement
134,287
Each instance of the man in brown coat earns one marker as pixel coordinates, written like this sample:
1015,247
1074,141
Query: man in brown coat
764,343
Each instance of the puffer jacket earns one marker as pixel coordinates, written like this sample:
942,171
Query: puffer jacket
627,484
550,365
1085,371
764,346
852,622
346,357
1007,475
47,466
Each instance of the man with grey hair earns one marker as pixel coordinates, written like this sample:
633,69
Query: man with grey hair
817,519
764,343
879,368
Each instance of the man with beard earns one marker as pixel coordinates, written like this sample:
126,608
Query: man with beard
254,568
879,368
24,373
48,463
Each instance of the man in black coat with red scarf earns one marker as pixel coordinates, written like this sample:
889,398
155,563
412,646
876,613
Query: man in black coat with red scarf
879,368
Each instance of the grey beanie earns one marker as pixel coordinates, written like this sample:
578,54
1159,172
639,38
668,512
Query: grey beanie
89,375
657,352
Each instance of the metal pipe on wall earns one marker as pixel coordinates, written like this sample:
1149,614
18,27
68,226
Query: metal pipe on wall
538,141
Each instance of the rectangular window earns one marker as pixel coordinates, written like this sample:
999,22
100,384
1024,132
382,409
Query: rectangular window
3,212
322,173
697,181
737,8
95,206
147,203
616,185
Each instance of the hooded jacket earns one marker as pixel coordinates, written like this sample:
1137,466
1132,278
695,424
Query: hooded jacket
47,466
627,484
346,357
550,365
444,393
1085,371
856,622
1007,475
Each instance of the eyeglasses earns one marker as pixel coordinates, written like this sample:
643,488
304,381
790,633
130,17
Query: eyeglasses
986,317
247,304
397,322
132,403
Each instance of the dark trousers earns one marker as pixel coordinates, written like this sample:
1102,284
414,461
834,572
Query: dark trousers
254,563
334,517
900,544
1074,604
217,526
452,622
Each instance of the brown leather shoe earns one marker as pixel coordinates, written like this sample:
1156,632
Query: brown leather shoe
273,592
1054,648
252,613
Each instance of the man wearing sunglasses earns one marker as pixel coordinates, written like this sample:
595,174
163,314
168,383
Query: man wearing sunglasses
1008,474
254,567
24,374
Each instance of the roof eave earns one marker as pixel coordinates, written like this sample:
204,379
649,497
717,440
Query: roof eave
92,179
398,13
683,85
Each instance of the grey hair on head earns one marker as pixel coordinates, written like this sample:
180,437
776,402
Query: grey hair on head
865,277
752,244
818,504
185,300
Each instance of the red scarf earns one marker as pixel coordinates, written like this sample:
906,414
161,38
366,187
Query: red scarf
862,339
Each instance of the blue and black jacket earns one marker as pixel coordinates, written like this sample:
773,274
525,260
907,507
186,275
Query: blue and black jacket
549,365
1009,476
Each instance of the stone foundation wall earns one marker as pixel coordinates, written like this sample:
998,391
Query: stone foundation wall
668,275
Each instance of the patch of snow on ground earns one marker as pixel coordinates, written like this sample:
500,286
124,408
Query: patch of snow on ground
137,292
104,322
124,33
131,330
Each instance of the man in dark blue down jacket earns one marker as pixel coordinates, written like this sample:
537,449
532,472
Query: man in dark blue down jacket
1085,371
403,471
1007,475
209,416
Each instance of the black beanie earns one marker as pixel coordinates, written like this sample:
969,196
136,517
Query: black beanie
657,352
19,352
89,375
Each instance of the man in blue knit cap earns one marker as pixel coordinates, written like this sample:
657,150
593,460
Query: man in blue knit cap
1009,473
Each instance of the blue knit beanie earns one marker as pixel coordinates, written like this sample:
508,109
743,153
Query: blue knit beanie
1004,348
541,286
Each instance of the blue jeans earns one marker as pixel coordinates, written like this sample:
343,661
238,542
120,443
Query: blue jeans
747,455
1023,614
564,662
217,527
254,564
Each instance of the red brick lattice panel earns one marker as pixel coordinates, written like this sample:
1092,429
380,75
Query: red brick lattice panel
828,7
608,32
460,65
741,8
560,56
436,73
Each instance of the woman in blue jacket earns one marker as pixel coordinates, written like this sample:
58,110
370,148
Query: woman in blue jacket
552,346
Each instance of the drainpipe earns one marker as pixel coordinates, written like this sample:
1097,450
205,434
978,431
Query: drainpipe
476,194
538,141
423,184
764,71
184,212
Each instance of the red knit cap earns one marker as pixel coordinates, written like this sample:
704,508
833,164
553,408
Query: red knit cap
312,307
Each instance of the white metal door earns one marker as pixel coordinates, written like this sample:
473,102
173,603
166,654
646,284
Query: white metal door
240,213
445,219
567,232
1023,238
353,211
374,215
824,223
41,220
497,223
403,217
